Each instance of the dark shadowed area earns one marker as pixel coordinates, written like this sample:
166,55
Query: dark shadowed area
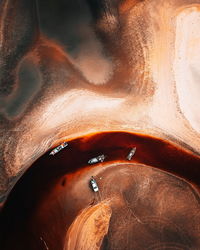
137,205
67,22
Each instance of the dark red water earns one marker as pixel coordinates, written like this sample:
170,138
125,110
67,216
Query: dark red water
16,221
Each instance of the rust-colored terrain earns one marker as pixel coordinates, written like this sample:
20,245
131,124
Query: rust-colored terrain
106,76
139,205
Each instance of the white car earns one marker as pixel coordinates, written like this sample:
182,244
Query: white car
58,148
94,185
97,159
131,153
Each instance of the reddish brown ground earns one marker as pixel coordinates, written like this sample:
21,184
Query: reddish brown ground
139,205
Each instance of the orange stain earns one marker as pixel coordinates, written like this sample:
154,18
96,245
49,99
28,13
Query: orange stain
126,5
52,51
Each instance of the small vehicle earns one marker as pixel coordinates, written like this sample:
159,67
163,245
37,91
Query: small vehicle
131,153
58,148
97,159
94,185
